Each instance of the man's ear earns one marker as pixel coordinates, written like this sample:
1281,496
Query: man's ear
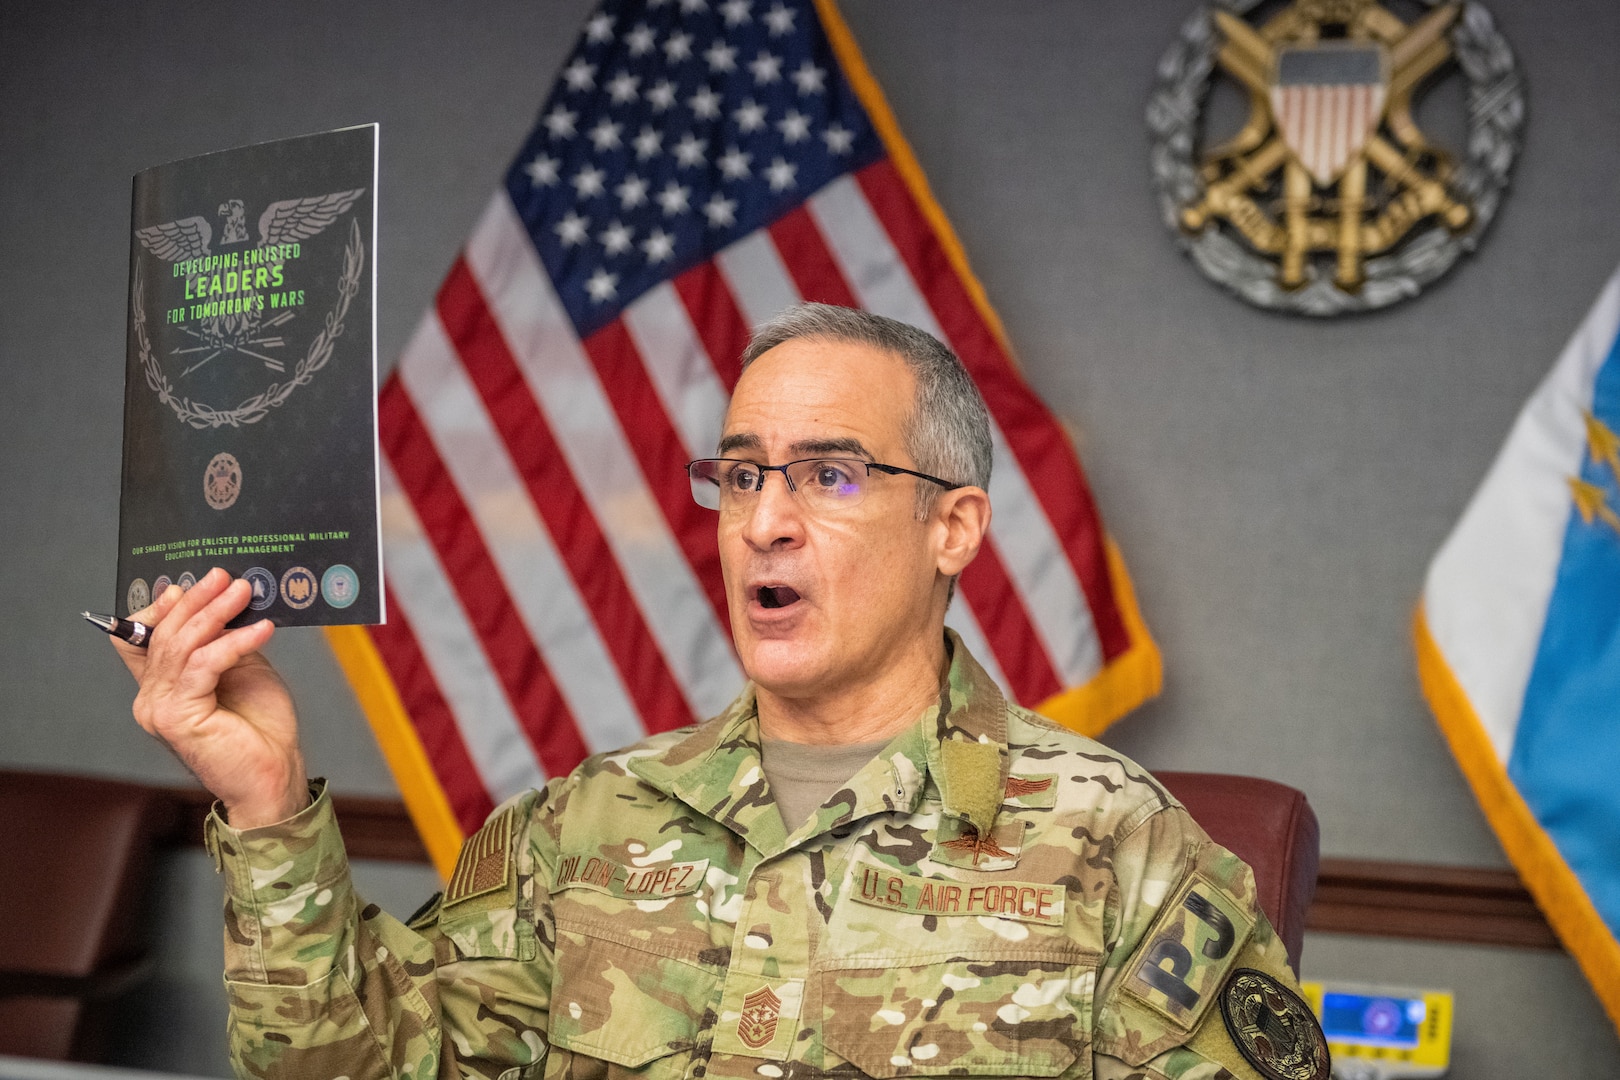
960,517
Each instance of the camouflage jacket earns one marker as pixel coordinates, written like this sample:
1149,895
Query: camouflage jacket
991,895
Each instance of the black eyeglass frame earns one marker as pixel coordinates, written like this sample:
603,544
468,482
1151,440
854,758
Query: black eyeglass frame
892,470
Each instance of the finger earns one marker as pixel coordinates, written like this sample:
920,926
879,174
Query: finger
180,632
209,621
208,663
134,657
159,608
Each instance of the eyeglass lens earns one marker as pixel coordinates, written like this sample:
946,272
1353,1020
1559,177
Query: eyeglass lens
722,484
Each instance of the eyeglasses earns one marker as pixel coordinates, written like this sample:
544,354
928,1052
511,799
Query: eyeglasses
728,484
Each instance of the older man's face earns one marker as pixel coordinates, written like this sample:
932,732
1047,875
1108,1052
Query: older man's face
858,581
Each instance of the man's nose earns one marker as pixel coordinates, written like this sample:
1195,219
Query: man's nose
775,518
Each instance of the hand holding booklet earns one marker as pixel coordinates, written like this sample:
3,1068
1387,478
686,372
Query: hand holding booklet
250,389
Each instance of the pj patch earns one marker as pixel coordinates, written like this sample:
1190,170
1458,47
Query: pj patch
1192,946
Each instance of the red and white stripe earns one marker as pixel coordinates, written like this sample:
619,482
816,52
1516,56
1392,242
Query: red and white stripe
554,589
1325,125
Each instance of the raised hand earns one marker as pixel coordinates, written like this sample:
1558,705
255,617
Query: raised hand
216,702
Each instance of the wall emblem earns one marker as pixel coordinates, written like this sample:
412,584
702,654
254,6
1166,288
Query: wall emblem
1330,198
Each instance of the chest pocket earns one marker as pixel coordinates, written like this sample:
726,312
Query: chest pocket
905,993
631,984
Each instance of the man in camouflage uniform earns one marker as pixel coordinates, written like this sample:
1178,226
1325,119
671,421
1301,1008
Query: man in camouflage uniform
981,893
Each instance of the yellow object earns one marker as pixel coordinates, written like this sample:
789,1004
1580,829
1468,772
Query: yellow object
1556,889
424,798
1424,1052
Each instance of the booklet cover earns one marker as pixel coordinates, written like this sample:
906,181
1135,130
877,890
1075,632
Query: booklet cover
250,391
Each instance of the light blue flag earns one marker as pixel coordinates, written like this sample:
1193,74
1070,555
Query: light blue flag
1518,641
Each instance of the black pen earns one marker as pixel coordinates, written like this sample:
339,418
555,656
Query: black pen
137,634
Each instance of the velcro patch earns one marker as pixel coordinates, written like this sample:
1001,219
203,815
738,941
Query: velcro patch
1187,953
485,863
1273,1028
1024,901
654,882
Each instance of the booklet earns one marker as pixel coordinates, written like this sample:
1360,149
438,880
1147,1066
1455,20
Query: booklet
250,387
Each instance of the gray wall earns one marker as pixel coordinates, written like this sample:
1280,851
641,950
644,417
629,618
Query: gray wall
1277,485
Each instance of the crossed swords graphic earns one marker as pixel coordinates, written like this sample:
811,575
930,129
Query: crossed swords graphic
1248,162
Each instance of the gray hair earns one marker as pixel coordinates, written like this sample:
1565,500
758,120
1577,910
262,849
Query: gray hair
947,432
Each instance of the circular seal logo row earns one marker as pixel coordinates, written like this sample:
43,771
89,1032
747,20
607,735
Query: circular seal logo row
298,588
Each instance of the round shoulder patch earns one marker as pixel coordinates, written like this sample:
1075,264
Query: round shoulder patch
1273,1028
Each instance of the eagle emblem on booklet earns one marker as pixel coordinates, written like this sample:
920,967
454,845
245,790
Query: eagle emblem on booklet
1289,156
250,380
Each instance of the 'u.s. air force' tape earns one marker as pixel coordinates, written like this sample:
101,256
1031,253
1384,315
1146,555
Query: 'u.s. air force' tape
1023,901
1191,946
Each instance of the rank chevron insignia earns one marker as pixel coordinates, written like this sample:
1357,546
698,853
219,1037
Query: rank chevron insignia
757,1026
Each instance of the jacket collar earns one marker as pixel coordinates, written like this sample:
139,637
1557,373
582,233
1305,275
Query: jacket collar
960,741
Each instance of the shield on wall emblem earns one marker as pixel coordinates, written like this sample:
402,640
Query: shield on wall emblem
1327,99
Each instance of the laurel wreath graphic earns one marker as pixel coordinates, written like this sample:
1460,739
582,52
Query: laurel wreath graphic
257,407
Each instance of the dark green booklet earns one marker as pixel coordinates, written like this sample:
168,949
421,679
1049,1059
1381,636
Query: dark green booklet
250,391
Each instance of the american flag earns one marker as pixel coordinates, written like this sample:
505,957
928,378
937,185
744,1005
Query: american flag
553,590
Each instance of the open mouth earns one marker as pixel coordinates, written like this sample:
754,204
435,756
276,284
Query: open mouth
776,596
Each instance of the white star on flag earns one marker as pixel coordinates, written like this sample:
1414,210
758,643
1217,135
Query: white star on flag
690,150
542,170
678,48
705,104
588,182
722,58
659,246
572,229
795,127
640,39
734,163
580,75
602,285
673,199
615,239
661,96
720,211
632,192
559,123
780,20
780,173
622,87
649,143
838,139
750,116
767,68
605,135
810,79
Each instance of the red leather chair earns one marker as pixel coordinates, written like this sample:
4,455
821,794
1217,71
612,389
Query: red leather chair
75,852
1268,825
